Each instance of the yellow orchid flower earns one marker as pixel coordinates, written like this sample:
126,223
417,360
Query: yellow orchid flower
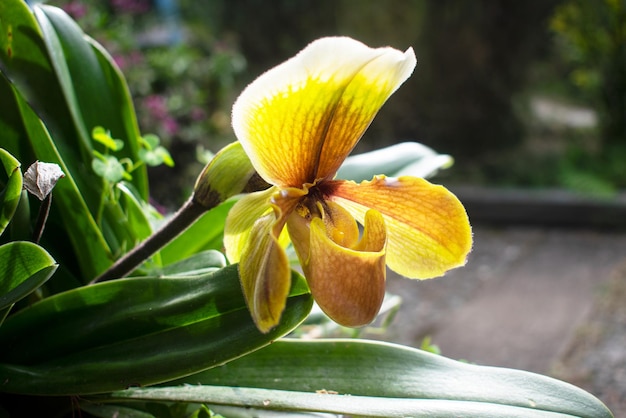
297,123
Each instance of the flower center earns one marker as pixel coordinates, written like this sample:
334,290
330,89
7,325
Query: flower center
312,204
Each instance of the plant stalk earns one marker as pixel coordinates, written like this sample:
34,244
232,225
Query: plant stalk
179,222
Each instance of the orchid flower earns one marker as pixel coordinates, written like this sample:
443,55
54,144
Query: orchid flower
297,123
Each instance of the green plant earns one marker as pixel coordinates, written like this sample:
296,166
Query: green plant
83,330
592,38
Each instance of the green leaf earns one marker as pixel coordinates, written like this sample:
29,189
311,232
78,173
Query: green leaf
407,158
74,86
93,88
24,267
32,75
109,168
10,194
136,211
206,233
139,331
200,263
156,156
20,121
150,141
375,379
104,137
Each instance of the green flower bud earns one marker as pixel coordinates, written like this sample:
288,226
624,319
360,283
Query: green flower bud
229,173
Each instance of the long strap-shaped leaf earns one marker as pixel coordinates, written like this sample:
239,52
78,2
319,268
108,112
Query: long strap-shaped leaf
362,406
93,87
82,229
133,332
401,381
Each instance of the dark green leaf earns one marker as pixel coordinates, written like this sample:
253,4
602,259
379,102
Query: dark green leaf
134,332
24,267
74,86
199,263
25,135
206,233
136,212
92,86
81,227
10,193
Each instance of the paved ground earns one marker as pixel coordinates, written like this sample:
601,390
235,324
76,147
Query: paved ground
552,301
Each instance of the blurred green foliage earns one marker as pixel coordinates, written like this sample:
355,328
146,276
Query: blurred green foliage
181,75
592,36
591,40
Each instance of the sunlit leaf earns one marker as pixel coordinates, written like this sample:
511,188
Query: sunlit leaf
104,137
404,159
138,331
367,378
91,84
200,263
24,267
11,189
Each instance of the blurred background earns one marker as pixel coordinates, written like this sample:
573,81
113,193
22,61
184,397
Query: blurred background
522,94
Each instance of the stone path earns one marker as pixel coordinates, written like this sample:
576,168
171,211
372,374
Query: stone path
520,302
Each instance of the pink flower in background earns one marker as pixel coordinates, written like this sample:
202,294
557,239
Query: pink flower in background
198,114
130,6
170,125
157,106
126,61
76,9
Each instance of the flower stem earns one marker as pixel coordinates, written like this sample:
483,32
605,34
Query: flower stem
179,222
42,217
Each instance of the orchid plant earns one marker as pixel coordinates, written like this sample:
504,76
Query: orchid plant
110,308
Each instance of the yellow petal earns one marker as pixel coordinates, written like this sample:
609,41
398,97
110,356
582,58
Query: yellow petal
348,284
241,218
265,274
252,238
299,121
428,231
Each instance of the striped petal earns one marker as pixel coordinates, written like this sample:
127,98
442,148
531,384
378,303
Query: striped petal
252,237
241,217
300,120
428,231
265,274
